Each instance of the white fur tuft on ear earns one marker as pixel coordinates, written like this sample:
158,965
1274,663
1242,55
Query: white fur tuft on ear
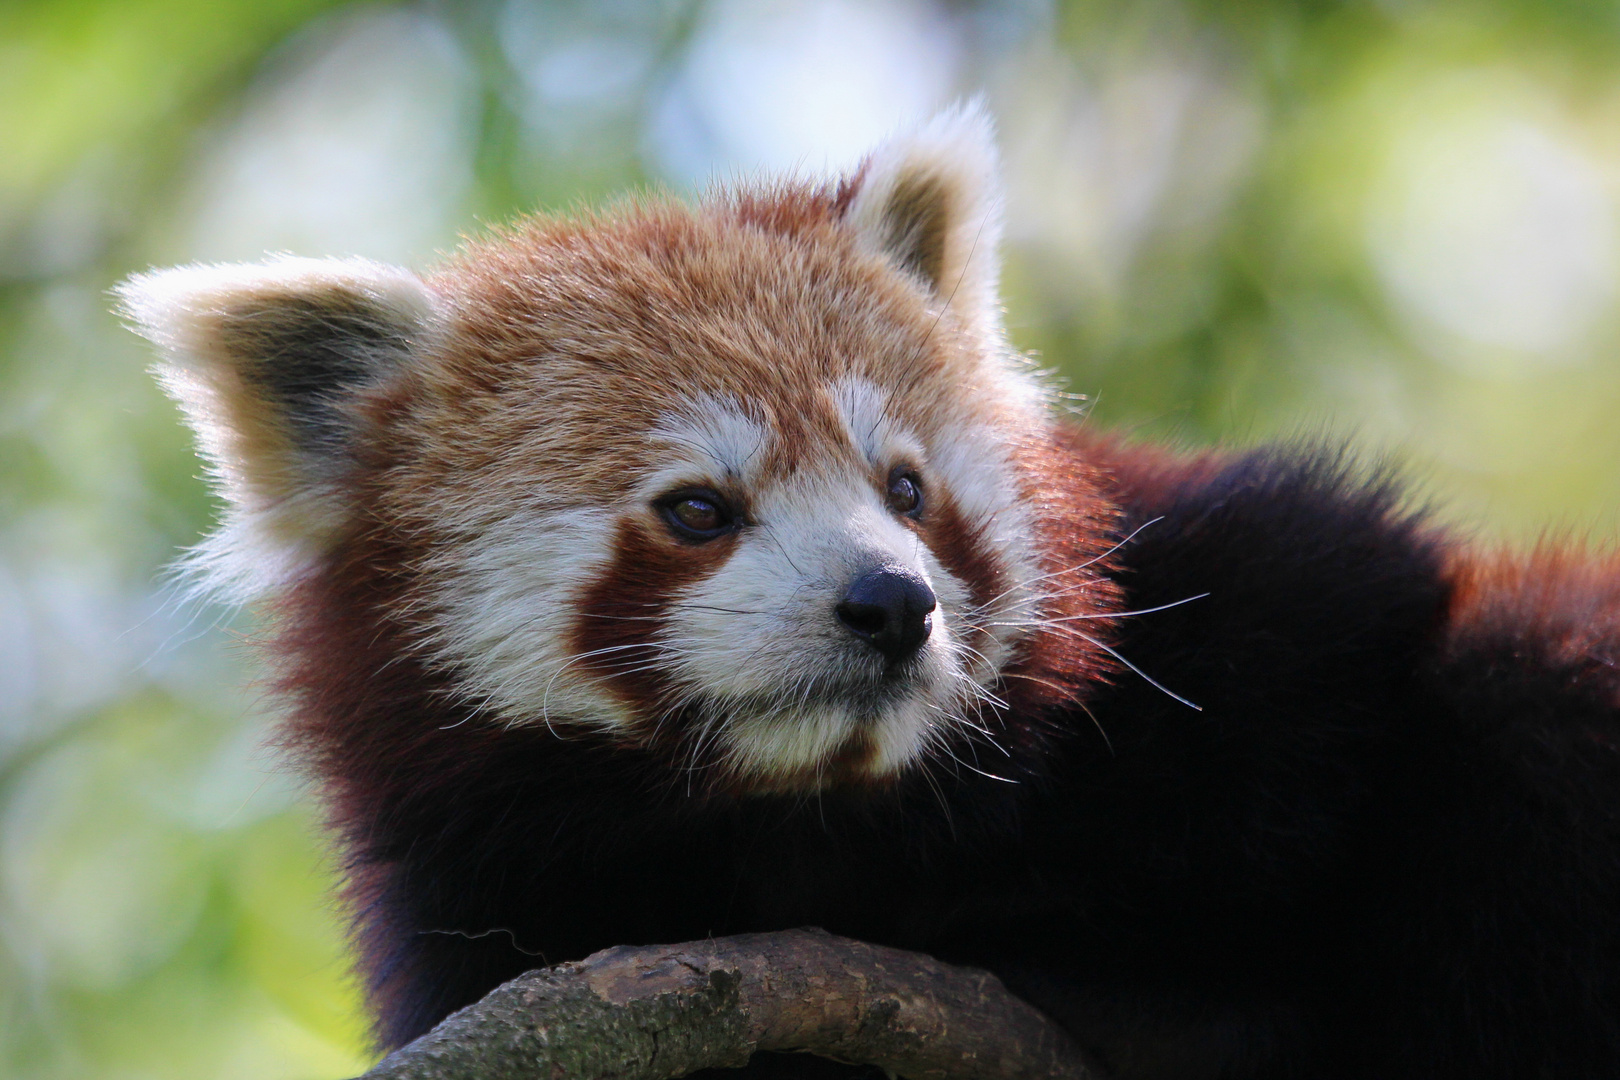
930,202
268,362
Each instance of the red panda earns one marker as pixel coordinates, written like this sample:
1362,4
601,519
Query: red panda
677,571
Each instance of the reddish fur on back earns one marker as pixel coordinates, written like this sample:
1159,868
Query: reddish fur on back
1558,599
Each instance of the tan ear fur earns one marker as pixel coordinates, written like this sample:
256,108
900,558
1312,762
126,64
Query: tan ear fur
264,359
930,202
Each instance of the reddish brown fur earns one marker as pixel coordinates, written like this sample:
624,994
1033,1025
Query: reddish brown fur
1139,472
1558,604
1076,531
964,549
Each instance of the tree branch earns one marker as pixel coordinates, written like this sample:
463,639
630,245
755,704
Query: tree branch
664,1011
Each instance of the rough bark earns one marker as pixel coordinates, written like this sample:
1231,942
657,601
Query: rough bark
665,1011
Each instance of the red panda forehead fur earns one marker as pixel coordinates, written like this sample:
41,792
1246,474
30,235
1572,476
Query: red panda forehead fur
572,341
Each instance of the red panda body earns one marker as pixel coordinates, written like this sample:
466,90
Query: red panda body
686,572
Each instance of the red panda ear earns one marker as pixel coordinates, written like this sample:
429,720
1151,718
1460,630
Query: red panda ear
268,361
930,202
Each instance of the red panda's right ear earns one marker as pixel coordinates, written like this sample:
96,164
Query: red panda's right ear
268,362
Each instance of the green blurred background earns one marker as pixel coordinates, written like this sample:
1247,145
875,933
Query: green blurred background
1228,220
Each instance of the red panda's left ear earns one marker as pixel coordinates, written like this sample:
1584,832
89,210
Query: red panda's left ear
930,202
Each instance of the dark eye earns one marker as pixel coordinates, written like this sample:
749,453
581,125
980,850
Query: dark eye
697,515
905,492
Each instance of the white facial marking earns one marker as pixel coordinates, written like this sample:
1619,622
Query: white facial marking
871,426
709,441
507,608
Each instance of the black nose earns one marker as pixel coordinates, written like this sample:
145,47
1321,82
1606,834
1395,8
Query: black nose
890,609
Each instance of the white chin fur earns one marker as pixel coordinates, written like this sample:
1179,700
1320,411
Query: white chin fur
795,748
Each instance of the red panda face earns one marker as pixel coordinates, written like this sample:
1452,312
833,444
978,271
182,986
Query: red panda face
740,482
774,526
798,627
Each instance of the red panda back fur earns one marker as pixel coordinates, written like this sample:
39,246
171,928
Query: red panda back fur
1231,762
